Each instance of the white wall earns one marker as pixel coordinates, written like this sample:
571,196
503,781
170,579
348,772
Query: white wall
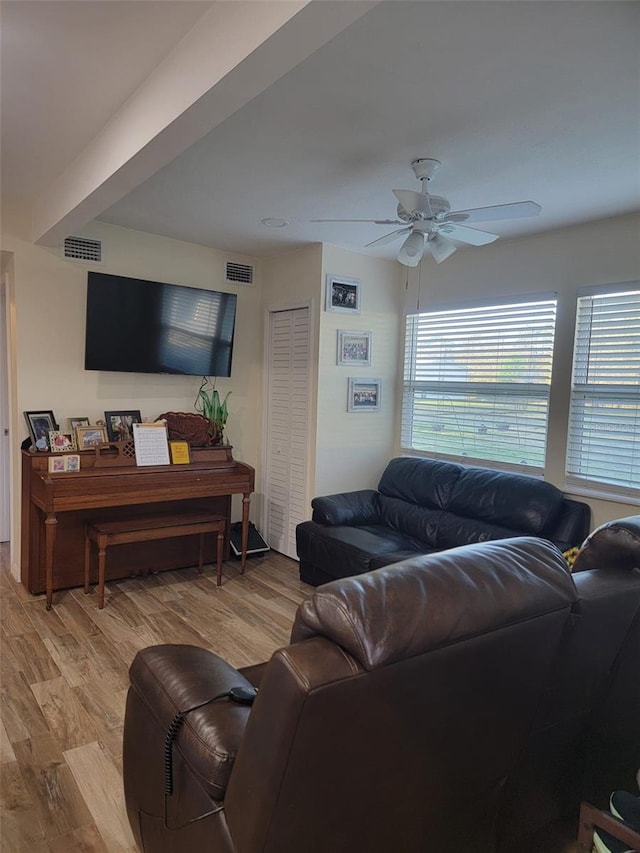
353,448
346,450
562,261
48,304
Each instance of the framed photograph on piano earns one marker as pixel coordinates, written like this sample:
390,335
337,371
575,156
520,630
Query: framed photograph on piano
88,437
40,425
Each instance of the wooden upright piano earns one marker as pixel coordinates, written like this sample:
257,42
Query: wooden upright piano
55,507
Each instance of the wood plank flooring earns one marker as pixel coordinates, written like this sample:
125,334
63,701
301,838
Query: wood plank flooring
63,683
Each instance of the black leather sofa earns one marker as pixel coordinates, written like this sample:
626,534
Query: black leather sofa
427,505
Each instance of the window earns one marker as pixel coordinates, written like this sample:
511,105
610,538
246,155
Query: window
476,383
604,420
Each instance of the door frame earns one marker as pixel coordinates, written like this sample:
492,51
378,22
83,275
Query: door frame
269,310
5,418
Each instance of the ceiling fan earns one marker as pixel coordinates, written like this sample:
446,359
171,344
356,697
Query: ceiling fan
429,223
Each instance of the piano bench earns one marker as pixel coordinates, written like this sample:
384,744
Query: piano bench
145,529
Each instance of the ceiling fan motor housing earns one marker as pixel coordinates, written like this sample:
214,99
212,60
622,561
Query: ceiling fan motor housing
439,206
425,169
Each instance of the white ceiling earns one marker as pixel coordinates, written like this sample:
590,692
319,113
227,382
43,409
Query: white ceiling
519,100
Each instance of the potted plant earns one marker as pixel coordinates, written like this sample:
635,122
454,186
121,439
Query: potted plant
214,409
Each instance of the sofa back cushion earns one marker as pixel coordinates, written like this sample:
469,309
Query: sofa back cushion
514,502
424,603
418,522
454,530
425,482
521,503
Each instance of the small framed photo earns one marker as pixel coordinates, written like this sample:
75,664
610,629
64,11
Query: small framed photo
343,294
62,464
88,437
120,424
61,442
76,422
56,464
364,395
354,348
40,425
179,452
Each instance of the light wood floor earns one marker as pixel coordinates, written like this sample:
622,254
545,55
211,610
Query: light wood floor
64,681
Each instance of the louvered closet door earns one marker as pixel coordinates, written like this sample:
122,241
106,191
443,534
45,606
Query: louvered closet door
287,428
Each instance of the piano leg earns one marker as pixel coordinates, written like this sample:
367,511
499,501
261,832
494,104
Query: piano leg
246,500
50,524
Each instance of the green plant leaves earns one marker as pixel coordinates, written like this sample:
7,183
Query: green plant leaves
209,404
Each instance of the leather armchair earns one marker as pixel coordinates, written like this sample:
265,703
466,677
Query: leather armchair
396,719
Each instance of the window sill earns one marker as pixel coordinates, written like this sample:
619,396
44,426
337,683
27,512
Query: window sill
600,494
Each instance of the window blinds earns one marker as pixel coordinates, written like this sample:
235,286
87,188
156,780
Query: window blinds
604,420
476,383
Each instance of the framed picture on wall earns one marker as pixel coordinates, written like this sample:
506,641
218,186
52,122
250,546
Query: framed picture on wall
364,395
354,348
343,294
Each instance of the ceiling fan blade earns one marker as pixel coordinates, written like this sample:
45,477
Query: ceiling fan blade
374,221
388,238
517,210
414,201
412,249
441,248
467,235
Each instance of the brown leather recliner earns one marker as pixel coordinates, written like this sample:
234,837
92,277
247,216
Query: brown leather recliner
613,750
585,740
394,721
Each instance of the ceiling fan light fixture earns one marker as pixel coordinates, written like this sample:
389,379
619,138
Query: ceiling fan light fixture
441,248
412,249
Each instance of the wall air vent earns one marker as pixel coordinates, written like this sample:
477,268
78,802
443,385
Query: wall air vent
82,249
239,273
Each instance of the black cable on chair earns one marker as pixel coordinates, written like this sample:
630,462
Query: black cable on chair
242,695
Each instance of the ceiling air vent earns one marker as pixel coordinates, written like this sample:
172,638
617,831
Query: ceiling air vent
82,249
240,273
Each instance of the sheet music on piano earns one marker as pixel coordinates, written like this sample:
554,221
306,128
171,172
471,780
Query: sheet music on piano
151,444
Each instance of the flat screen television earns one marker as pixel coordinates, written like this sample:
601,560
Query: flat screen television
137,326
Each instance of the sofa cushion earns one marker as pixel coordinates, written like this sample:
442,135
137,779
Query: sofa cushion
418,522
523,504
348,550
425,482
453,530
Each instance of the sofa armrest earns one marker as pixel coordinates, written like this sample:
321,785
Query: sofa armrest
169,679
359,507
615,544
571,528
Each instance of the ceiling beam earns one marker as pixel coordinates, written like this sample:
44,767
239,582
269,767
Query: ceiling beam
235,52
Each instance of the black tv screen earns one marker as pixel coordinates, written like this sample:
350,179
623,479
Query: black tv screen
137,326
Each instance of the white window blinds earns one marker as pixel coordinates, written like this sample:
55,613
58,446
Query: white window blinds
476,383
604,420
